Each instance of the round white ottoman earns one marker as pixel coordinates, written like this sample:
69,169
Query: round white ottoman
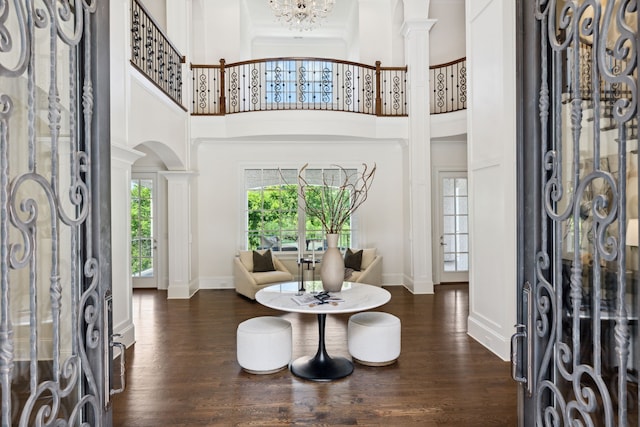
264,344
374,338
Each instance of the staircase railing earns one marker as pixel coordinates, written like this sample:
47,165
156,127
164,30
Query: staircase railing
448,86
298,84
610,92
154,55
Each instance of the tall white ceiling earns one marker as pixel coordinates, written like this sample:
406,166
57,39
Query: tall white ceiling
262,21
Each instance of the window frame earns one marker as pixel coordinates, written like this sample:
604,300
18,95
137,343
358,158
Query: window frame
348,237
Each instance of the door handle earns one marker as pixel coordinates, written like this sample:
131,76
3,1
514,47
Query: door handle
122,348
524,331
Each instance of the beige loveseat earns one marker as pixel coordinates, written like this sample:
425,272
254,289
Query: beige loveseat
248,282
370,269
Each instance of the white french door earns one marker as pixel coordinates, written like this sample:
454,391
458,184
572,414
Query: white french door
453,254
144,242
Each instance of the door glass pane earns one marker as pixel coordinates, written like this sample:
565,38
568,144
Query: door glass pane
461,186
449,224
142,239
448,205
448,187
455,243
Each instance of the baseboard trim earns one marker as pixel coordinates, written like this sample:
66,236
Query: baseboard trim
219,282
489,338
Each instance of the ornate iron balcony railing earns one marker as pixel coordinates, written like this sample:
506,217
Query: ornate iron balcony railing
298,84
448,86
153,54
609,93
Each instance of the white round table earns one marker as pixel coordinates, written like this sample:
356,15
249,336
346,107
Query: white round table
353,297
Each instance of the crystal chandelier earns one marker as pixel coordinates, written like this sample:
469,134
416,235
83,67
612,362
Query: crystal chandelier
301,14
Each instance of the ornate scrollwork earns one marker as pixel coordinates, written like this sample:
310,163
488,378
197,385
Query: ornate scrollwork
368,91
440,85
463,85
255,86
49,198
326,84
277,85
348,87
7,42
395,89
591,44
234,89
302,84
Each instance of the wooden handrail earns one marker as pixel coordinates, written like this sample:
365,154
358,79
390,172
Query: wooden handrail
286,83
447,64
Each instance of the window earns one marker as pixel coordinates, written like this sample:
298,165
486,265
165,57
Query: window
274,219
299,82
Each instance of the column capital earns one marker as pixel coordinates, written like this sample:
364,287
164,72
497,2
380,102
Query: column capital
178,175
125,154
417,25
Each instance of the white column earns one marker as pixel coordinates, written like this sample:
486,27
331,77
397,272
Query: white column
179,225
122,158
419,269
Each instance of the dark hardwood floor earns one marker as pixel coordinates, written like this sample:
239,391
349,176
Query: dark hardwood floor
182,370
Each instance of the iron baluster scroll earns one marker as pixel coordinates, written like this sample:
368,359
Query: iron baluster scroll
153,54
449,83
585,296
299,84
51,323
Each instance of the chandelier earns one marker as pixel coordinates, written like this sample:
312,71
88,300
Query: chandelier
301,14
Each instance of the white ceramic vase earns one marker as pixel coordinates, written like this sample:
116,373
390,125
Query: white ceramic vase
332,266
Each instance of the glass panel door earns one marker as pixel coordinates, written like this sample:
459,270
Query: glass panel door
580,297
54,326
454,233
143,235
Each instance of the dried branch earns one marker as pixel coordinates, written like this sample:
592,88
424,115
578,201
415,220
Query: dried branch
337,200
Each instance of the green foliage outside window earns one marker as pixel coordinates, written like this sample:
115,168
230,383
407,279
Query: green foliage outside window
141,228
272,215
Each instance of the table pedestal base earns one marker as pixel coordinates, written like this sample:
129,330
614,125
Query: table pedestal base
321,367
317,369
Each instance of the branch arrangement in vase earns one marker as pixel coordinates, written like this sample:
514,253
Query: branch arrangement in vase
338,196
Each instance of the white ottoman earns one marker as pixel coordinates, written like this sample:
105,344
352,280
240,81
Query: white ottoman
374,338
264,344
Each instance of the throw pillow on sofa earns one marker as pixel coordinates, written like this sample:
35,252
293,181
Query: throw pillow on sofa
353,260
262,262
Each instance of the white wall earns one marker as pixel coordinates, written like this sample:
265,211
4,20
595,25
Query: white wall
375,38
220,196
154,117
492,172
448,34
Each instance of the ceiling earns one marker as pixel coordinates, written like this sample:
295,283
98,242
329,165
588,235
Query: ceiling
263,22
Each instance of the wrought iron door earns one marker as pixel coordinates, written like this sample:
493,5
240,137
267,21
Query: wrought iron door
576,351
54,213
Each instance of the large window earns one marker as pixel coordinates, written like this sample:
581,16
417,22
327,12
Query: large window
274,217
299,82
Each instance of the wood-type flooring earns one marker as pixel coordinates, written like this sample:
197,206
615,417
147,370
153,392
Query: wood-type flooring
182,370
